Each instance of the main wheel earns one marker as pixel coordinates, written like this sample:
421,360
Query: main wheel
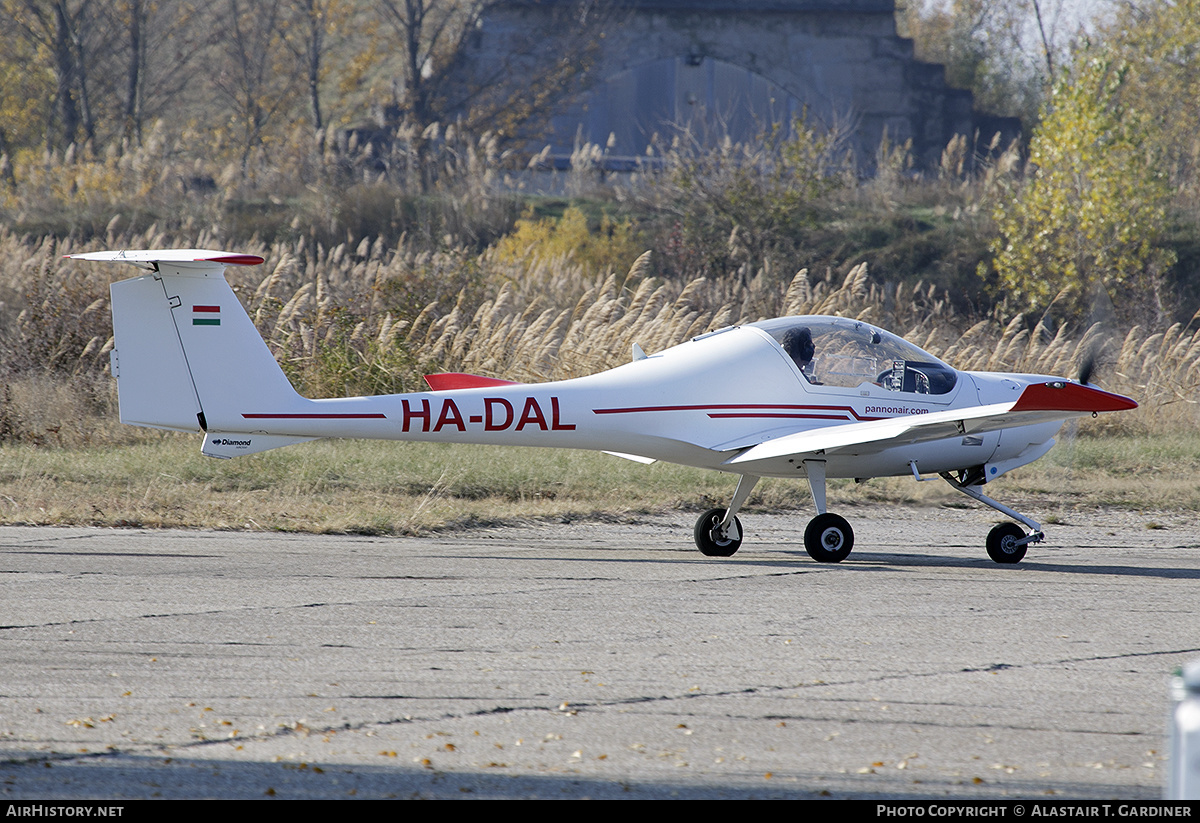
713,543
828,538
1002,543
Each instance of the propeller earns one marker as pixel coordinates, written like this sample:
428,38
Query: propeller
1097,335
1094,351
1087,366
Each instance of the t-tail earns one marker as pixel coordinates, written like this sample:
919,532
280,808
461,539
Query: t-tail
186,354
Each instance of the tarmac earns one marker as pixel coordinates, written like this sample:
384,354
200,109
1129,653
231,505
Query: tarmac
595,660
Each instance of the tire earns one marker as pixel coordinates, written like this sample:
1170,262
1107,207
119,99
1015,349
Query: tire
708,542
828,538
1002,543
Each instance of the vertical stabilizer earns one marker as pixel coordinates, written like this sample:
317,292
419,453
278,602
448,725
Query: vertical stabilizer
186,355
231,367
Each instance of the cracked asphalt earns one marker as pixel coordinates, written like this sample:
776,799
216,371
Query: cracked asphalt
597,659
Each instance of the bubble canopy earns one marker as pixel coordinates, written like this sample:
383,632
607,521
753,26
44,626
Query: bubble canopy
848,353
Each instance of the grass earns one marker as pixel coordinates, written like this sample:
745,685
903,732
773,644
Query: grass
336,486
409,488
369,320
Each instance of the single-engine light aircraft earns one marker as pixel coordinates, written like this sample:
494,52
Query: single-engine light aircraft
808,397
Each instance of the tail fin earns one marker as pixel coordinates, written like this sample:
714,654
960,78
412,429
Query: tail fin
186,355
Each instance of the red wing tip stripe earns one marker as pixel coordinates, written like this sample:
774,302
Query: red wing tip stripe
371,416
207,308
233,259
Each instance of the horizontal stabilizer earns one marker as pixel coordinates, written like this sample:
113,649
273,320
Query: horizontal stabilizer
144,257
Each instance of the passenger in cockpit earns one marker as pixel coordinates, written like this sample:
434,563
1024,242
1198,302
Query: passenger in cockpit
798,343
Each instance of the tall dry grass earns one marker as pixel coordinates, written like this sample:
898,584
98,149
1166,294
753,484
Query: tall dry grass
371,319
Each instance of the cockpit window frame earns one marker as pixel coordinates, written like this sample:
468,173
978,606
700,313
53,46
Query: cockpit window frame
895,366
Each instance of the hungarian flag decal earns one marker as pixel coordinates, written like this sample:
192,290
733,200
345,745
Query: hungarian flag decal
206,315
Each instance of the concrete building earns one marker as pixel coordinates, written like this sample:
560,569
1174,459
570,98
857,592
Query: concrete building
733,67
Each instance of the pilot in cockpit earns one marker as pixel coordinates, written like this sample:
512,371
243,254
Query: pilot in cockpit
798,343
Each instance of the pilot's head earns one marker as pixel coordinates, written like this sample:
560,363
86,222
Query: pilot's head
798,343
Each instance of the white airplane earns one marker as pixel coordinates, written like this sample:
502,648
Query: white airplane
808,397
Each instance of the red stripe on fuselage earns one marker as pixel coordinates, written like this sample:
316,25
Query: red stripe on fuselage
750,410
789,415
372,416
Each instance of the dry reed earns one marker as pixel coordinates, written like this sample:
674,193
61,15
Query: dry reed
371,320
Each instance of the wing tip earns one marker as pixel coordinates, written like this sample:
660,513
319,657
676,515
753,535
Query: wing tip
234,259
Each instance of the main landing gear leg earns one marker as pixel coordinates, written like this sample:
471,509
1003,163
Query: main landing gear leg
1007,542
718,531
828,538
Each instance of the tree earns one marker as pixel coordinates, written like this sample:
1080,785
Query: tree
1093,200
56,31
1160,42
26,91
150,55
93,70
1004,51
314,30
154,49
431,34
440,81
132,121
253,78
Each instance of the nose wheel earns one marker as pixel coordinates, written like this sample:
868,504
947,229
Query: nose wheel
1006,543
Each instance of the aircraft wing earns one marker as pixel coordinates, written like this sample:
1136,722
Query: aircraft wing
1038,403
